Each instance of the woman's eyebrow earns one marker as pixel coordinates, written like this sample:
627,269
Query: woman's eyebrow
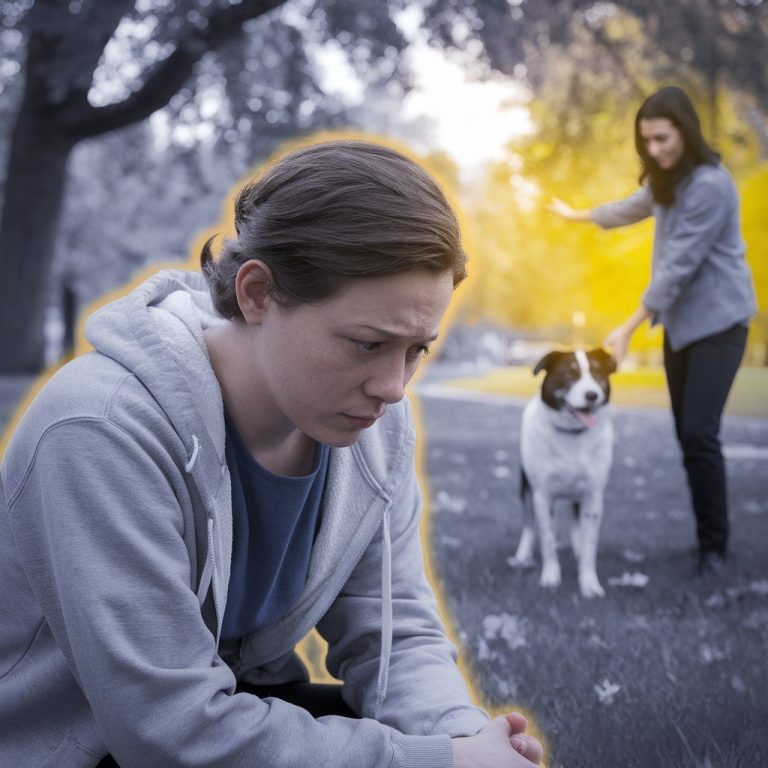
390,334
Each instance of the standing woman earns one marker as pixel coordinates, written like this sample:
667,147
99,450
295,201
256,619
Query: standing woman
701,291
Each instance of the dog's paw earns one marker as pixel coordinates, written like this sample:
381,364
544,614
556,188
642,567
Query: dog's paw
550,575
520,563
590,586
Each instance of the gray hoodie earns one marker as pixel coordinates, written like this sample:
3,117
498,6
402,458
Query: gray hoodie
701,283
115,546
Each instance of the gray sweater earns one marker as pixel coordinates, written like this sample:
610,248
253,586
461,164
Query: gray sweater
701,283
115,548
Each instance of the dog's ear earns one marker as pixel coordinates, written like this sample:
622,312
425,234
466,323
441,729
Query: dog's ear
548,361
604,359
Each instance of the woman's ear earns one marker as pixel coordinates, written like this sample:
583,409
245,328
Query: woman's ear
253,286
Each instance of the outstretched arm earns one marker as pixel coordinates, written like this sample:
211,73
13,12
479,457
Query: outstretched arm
564,211
636,207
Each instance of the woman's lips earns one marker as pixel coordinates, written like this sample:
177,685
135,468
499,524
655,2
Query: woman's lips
361,422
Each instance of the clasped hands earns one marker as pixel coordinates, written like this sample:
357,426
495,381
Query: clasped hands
503,743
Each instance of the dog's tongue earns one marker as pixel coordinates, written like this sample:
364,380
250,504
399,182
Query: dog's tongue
587,419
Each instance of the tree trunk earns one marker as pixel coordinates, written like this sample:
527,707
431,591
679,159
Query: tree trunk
62,53
34,192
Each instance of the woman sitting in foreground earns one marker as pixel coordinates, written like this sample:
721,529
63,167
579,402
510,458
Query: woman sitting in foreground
232,466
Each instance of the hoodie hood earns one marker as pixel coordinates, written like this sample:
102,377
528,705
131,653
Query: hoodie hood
156,332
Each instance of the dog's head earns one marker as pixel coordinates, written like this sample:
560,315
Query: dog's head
577,382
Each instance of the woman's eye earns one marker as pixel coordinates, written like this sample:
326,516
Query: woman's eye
367,346
422,350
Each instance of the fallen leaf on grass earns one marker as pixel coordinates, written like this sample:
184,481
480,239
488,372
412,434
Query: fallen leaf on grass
738,684
484,652
759,587
444,501
756,620
595,641
634,580
606,692
752,507
709,654
632,556
715,600
508,628
507,688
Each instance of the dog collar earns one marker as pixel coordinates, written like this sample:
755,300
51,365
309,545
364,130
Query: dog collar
576,431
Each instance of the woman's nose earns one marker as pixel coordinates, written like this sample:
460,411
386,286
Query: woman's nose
388,381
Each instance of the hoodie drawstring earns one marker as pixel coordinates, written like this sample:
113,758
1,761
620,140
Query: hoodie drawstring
386,613
193,458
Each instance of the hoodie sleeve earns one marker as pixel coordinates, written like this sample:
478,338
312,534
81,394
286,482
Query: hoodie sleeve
425,692
99,529
630,210
703,210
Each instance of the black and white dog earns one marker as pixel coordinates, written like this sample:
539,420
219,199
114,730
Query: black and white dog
566,446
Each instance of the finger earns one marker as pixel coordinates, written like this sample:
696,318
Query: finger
516,722
528,747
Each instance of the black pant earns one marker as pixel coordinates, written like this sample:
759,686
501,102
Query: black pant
699,378
317,699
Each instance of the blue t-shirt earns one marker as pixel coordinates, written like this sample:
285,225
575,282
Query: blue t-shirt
274,521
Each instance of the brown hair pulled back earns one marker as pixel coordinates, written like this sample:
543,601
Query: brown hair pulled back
333,212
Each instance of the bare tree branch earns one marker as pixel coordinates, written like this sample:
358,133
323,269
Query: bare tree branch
78,118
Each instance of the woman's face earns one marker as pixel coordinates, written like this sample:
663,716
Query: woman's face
663,141
331,369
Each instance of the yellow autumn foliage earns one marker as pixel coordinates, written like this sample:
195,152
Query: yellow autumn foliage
536,273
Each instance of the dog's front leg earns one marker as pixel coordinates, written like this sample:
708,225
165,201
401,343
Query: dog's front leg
589,524
524,556
550,565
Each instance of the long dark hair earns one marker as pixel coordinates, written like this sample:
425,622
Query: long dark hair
673,104
332,212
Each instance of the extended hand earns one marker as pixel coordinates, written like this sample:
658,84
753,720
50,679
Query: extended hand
617,343
562,209
501,744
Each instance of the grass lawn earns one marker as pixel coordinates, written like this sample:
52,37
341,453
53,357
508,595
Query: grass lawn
669,673
641,386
